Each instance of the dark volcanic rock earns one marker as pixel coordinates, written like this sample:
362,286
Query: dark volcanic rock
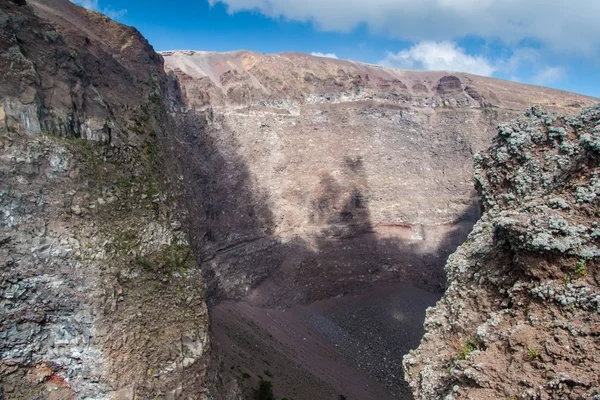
449,85
471,91
419,87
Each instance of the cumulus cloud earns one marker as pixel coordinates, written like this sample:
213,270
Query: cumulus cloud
439,56
563,25
326,55
525,64
108,11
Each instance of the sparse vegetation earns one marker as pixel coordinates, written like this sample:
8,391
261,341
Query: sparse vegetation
123,183
78,146
268,373
169,259
580,268
264,391
533,353
465,349
123,241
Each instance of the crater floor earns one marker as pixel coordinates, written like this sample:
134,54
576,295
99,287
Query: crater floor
328,349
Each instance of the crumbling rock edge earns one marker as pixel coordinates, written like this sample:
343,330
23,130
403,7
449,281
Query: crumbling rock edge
521,316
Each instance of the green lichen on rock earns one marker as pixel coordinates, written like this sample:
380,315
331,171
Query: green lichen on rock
533,160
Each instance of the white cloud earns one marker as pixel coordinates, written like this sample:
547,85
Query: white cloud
326,55
439,56
89,4
108,11
531,65
523,65
114,14
548,76
562,25
520,58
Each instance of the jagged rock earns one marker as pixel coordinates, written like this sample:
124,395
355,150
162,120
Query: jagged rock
521,314
474,93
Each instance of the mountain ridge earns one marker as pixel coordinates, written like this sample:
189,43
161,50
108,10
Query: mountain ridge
367,64
295,61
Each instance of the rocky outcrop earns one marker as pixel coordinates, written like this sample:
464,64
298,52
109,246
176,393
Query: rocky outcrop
72,72
521,316
100,293
449,85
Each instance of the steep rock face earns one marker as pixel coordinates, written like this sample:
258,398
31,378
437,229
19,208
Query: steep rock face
72,72
451,85
326,175
521,316
100,294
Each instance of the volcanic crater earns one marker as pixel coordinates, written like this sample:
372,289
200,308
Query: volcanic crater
329,196
189,224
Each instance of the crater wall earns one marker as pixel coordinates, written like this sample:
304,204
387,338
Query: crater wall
315,170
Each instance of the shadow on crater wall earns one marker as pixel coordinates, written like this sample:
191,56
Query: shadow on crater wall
234,232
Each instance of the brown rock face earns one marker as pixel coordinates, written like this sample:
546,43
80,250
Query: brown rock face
317,178
73,72
471,91
449,85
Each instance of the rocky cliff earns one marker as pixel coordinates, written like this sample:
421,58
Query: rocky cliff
99,290
521,315
317,178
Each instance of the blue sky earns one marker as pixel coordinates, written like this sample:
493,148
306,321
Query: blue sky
546,42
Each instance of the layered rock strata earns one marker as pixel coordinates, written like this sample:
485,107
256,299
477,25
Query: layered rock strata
317,177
